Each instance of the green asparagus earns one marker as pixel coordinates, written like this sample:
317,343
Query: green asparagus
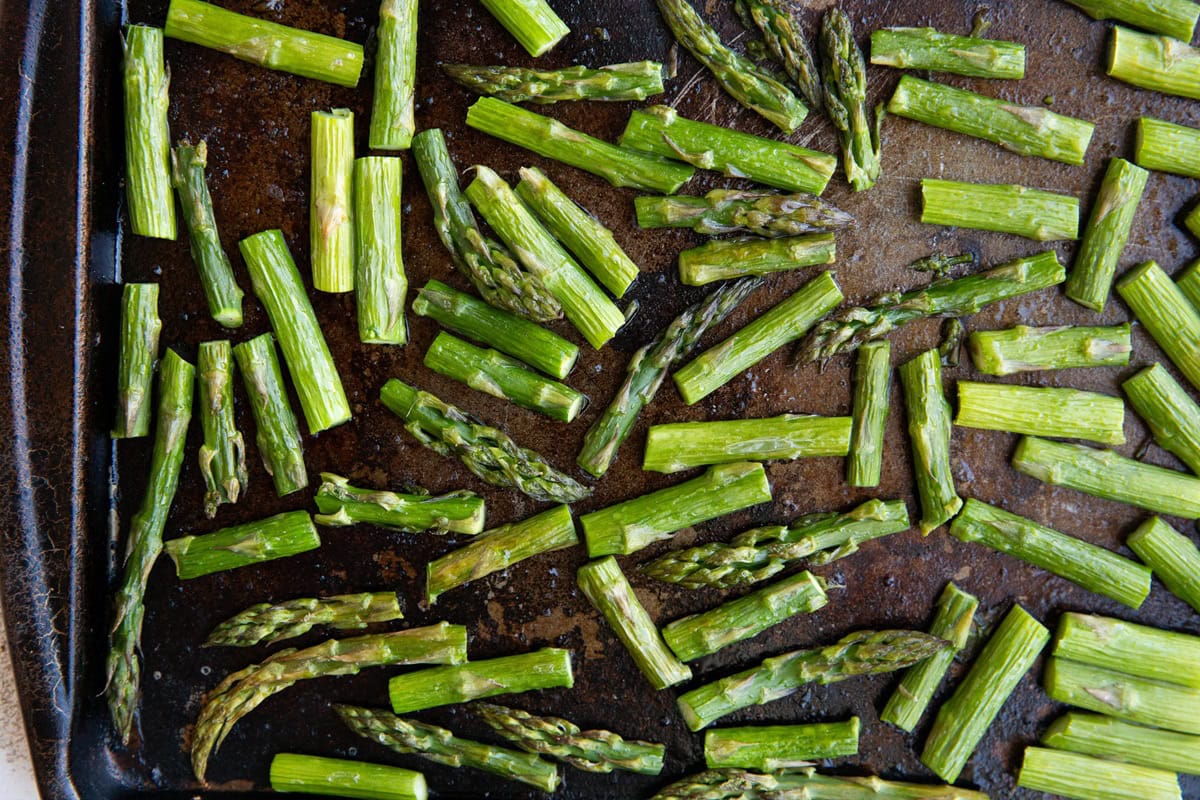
1106,233
1044,411
1118,694
1025,349
780,747
533,23
1188,281
1158,63
278,433
342,504
223,453
392,120
1127,647
1167,147
721,259
1174,18
147,138
787,43
267,623
633,81
1006,208
805,784
682,445
331,201
872,397
929,432
1172,416
930,49
1115,740
280,536
1192,223
140,329
548,668
1167,314
762,213
299,774
381,286
1174,558
1072,775
844,77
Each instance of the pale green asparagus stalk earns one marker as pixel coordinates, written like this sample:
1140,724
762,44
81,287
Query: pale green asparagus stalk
844,76
779,747
1157,704
1167,314
1025,349
533,23
722,259
291,772
223,453
392,120
1007,208
1172,416
1073,775
1112,739
1106,234
140,330
1128,647
1174,18
633,81
147,138
1041,410
341,504
1174,558
548,668
762,213
331,200
1167,147
872,398
930,49
268,623
280,536
278,433
804,784
929,432
381,286
1158,63
678,446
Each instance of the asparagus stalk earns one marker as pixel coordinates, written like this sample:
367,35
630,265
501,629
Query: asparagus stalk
147,138
1007,208
683,445
1166,313
242,691
784,323
1167,147
499,549
1025,349
267,623
379,279
848,329
590,751
1172,416
278,433
1192,223
699,635
144,541
964,718
745,82
533,23
1158,63
805,784
930,49
605,585
342,504
581,233
489,265
331,202
872,395
1083,563
548,137
929,432
216,273
488,452
1172,556
786,42
278,286
1129,647
1174,18
443,747
548,668
140,329
633,81
627,527
1078,776
223,453
1027,130
955,615
280,536
1114,740
722,259
299,774
1188,282
1047,411
1106,234
1104,473
861,653
392,119
844,77
1118,694
762,213
759,553
649,366
586,306
779,747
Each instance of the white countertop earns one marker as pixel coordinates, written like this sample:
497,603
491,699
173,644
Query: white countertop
16,769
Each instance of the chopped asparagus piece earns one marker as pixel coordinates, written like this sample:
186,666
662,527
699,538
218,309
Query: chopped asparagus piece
280,536
633,81
1085,778
872,397
1167,147
678,446
779,747
278,433
392,120
1007,208
331,201
1174,18
762,213
533,23
548,668
930,49
1045,411
299,774
722,259
786,42
266,623
1171,414
1114,740
216,273
140,329
1174,558
929,432
1188,282
223,453
1106,234
1128,647
1192,223
379,280
1167,314
147,137
844,77
1119,694
1158,63
1025,349
342,504
736,784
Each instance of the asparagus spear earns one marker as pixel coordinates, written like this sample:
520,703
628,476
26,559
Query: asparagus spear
1025,349
144,541
786,322
860,653
443,747
786,42
548,668
499,549
267,623
1192,223
779,747
488,452
1077,776
848,329
267,44
1114,740
223,454
721,259
1174,18
736,74
1166,313
930,49
1027,130
844,77
1106,234
649,366
872,394
586,306
1104,473
278,433
662,131
762,213
590,751
805,784
1007,208
682,445
1158,63
1172,556
331,202
591,242
147,138
1047,411
606,586
1083,563
955,614
216,273
758,554
489,265
379,279
964,718
1172,416
699,635
550,138
342,504
533,23
299,774
280,536
392,120
929,432
1188,282
140,329
1128,647
1167,147
242,691
627,527
278,286
633,81
1118,694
